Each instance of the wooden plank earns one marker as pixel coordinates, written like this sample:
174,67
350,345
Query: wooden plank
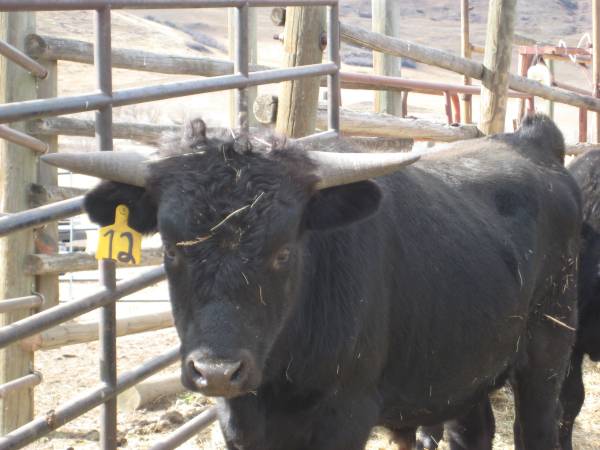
304,30
596,59
386,20
496,61
18,169
42,264
79,333
467,99
140,132
278,16
40,194
473,69
51,48
580,149
382,126
386,126
149,391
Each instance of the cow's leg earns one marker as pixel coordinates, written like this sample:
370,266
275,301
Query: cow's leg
473,431
404,438
428,438
571,399
537,384
344,424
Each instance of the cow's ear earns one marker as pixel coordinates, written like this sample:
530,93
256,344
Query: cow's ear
100,204
342,205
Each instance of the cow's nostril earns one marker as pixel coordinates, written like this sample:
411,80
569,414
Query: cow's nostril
196,370
236,375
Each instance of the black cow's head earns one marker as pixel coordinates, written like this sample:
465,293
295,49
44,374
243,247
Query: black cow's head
233,222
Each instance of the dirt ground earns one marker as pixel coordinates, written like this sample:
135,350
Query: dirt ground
71,370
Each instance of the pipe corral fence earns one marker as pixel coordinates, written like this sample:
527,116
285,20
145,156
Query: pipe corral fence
103,101
38,55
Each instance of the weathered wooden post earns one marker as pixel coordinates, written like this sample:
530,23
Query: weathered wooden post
252,59
303,44
386,20
467,104
496,62
17,172
46,238
596,58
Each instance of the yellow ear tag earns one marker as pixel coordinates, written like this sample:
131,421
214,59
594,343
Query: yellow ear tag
118,241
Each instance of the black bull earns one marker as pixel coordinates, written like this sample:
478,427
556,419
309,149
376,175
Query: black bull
479,430
397,302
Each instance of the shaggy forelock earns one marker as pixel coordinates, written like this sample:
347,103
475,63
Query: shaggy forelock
195,137
228,198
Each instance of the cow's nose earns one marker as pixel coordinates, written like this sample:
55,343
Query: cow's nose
216,378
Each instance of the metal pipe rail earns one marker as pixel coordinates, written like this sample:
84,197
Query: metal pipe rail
20,58
353,80
54,419
23,139
53,316
27,381
13,112
187,431
13,304
73,5
41,215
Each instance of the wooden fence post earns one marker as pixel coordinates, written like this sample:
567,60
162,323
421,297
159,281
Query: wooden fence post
386,20
46,238
496,62
303,44
17,172
252,59
467,103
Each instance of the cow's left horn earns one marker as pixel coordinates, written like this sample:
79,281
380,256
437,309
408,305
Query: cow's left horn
124,167
334,169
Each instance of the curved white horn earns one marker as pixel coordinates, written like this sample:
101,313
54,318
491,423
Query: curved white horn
334,169
124,167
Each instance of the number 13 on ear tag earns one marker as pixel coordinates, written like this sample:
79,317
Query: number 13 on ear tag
118,241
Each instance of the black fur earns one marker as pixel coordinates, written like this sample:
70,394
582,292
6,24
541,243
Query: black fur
586,171
401,315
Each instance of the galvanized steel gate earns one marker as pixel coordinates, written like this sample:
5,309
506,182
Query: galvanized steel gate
103,101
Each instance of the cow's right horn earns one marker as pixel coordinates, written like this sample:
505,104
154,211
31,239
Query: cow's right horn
124,167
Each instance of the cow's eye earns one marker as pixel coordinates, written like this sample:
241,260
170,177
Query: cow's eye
281,258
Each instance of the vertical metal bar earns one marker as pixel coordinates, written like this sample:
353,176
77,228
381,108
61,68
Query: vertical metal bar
241,66
333,80
466,53
523,65
104,139
404,103
448,107
596,59
456,107
583,125
530,105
